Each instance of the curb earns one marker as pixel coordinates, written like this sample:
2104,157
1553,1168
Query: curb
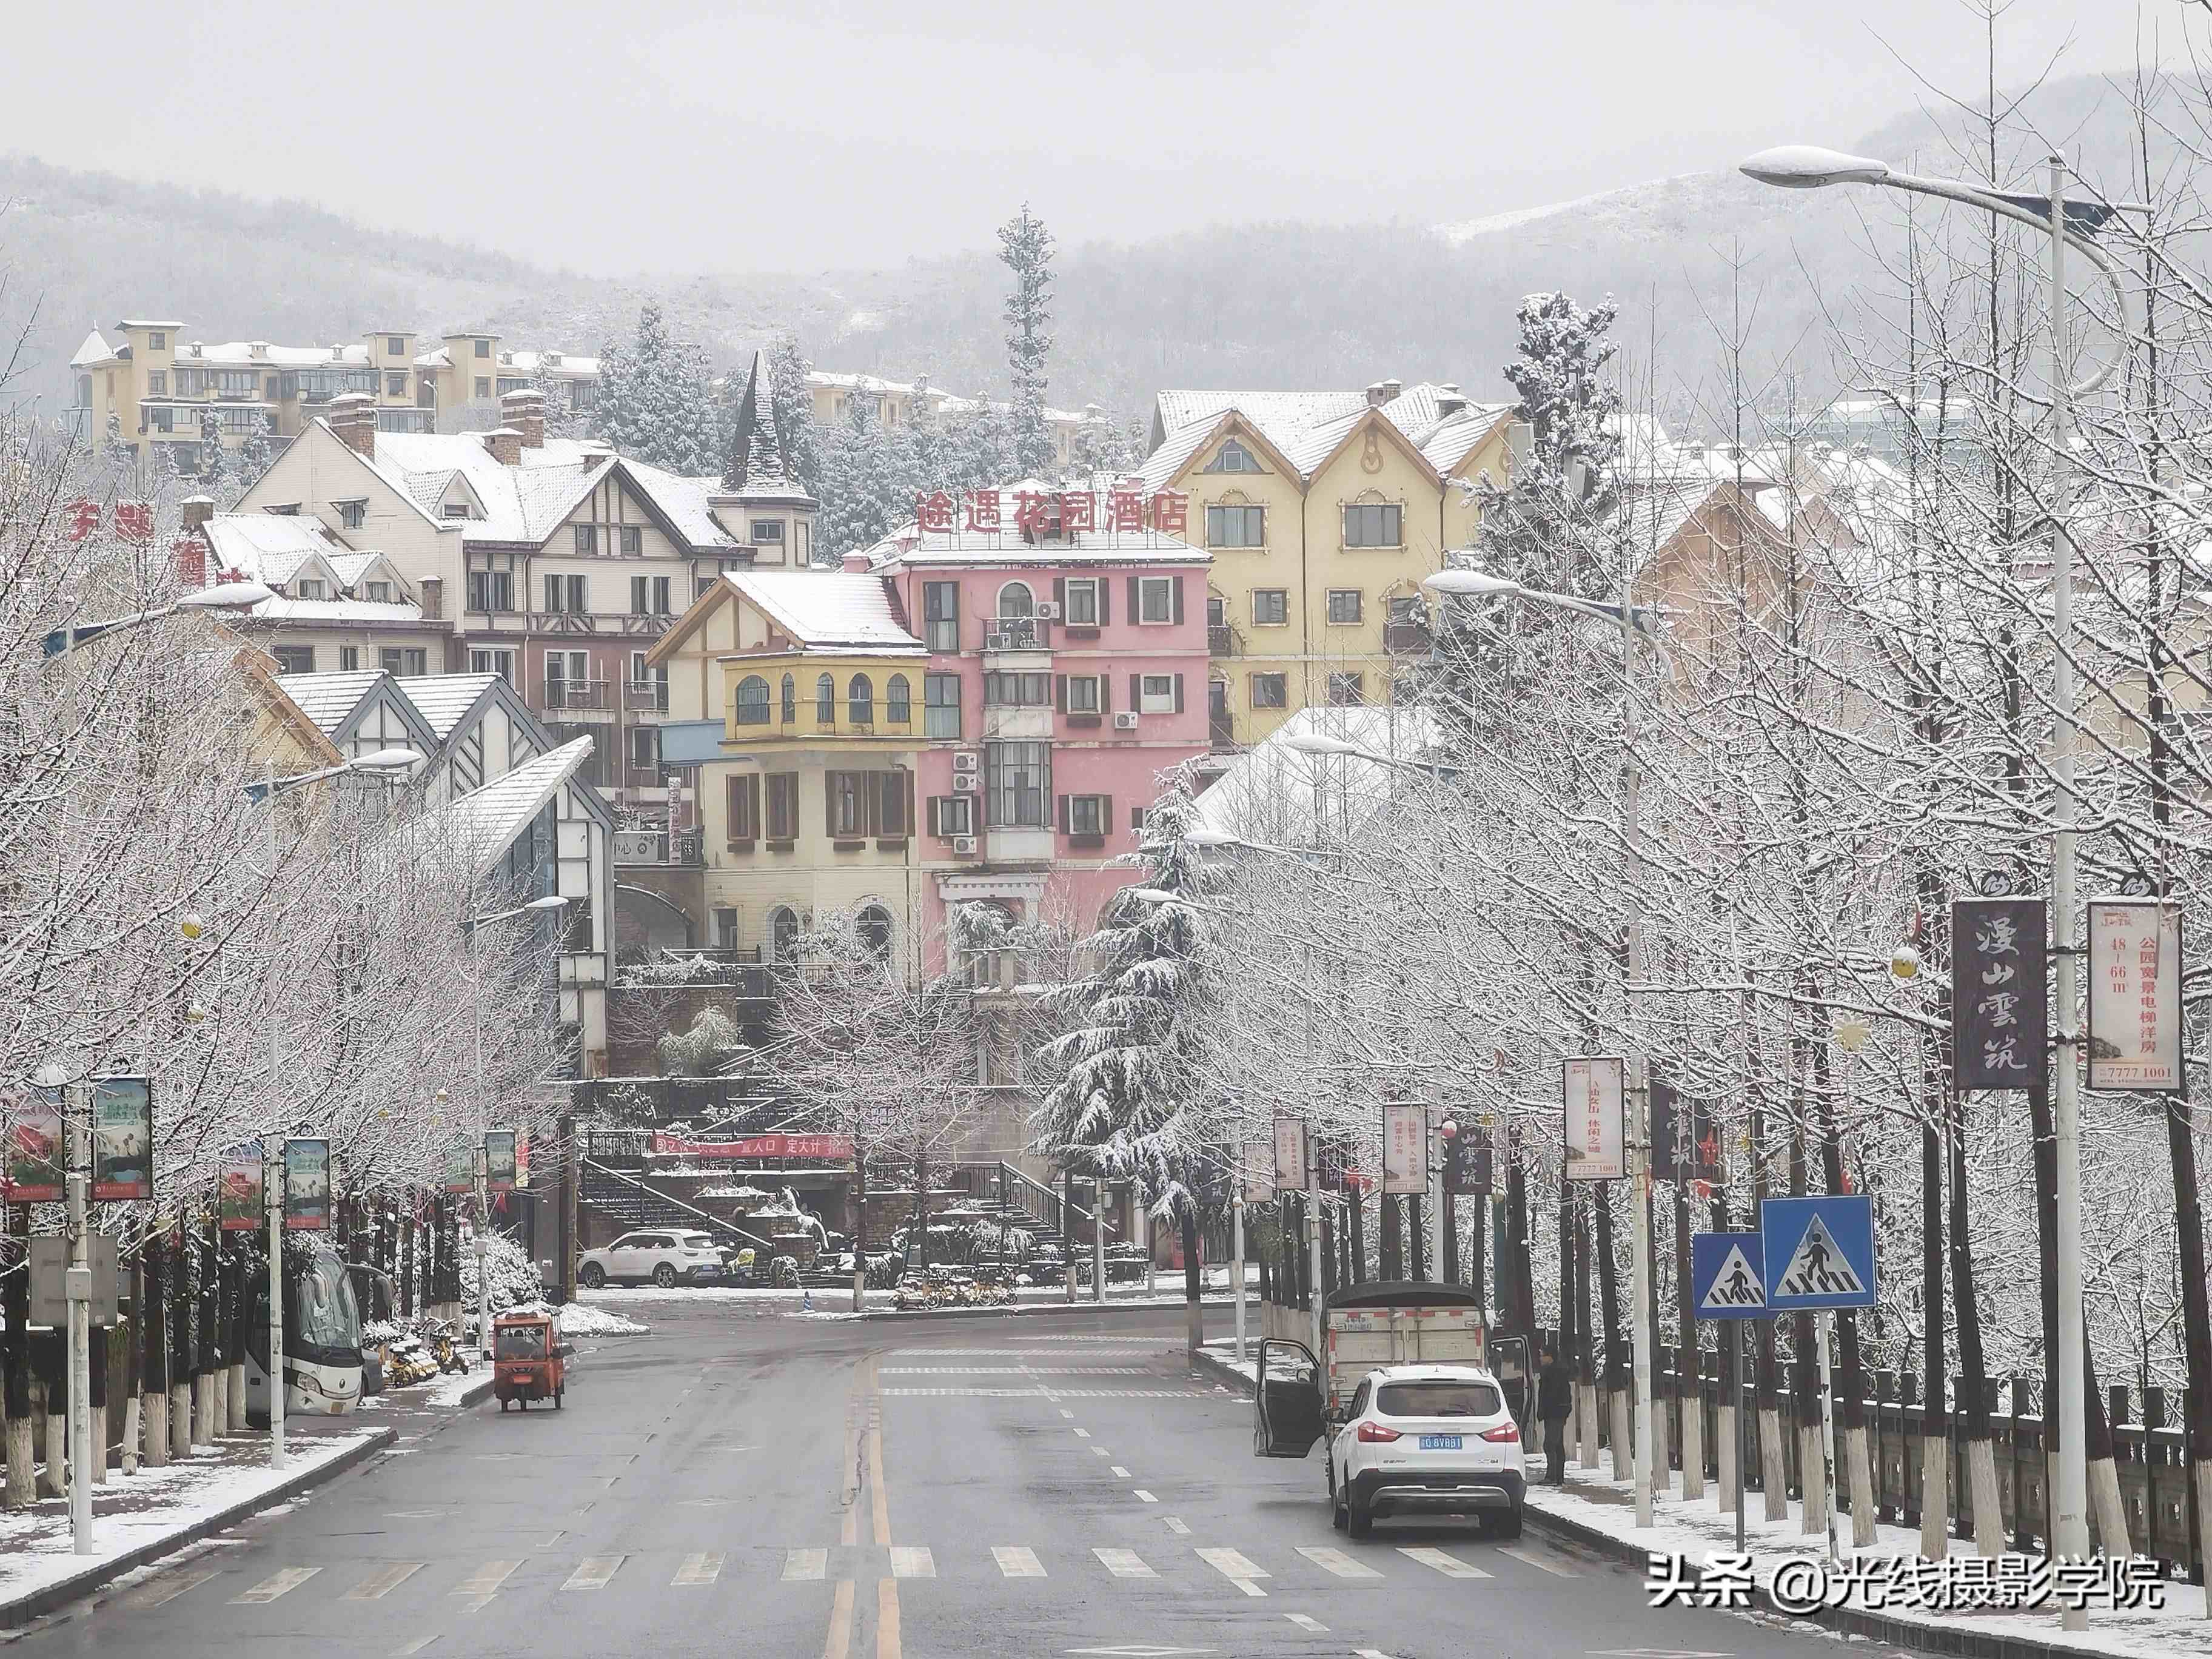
39,1602
1041,1310
1221,1371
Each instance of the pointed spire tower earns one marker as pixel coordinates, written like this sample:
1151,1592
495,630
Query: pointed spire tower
760,502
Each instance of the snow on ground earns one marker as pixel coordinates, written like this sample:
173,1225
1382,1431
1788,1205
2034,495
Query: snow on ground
130,1512
579,1320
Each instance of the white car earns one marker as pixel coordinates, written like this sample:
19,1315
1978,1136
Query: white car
663,1255
1428,1440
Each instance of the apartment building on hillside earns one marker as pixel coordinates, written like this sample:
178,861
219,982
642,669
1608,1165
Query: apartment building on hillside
893,402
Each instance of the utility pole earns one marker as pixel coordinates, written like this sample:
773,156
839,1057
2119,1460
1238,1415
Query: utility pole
272,1204
77,1285
480,1162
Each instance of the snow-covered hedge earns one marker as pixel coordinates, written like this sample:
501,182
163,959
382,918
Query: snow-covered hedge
514,1275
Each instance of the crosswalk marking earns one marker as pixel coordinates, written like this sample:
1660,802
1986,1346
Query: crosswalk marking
169,1592
1144,1497
483,1583
1176,1525
1124,1563
1336,1561
1236,1569
1530,1558
1120,1474
1306,1621
414,1647
1450,1566
805,1564
1083,1434
1013,1370
697,1570
1015,1562
594,1572
1053,1394
277,1584
913,1561
378,1585
1100,1451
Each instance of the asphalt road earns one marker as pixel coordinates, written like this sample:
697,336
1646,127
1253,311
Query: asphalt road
972,1489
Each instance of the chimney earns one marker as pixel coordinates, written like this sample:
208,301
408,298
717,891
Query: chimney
505,444
524,412
259,349
1391,389
1450,398
353,418
1376,395
433,598
195,511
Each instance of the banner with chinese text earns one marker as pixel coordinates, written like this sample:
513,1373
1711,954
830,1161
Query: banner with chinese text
2134,996
1404,1150
1593,1093
2002,1009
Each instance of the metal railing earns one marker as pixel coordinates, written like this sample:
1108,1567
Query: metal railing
1016,634
649,1199
576,694
646,694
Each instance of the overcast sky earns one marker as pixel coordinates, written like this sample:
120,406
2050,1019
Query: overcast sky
801,134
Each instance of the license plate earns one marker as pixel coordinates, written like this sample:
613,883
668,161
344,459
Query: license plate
1440,1443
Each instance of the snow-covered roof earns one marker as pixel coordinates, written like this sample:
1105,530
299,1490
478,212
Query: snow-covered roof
367,612
265,547
140,322
757,469
327,699
95,350
1269,794
443,699
483,825
1307,428
829,610
909,544
566,365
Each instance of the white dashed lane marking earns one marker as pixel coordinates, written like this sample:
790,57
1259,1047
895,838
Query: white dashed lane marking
1528,1558
913,1561
1336,1561
805,1564
379,1585
1124,1563
697,1570
277,1584
1450,1566
594,1572
1015,1562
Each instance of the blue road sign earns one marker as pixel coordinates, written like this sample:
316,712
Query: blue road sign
1820,1252
1725,1280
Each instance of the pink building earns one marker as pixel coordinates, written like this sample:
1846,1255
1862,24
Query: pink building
1066,675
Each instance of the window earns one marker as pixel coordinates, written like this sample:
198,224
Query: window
483,382
648,596
565,594
351,514
1016,690
1343,605
1271,607
898,700
313,588
874,924
726,928
825,702
953,815
1081,604
484,349
1234,457
377,593
1159,599
1157,694
157,341
1270,691
847,792
457,510
767,532
395,385
1087,815
744,802
752,701
157,383
1015,600
1347,690
349,659
940,616
783,932
491,590
783,807
410,661
294,659
633,541
1017,782
860,700
645,748
790,709
661,596
395,345
1373,524
587,537
887,803
568,675
940,705
1235,527
500,663
1083,694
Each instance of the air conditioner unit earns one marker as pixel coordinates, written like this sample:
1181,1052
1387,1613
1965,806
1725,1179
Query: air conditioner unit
1048,610
963,845
964,760
1125,720
965,782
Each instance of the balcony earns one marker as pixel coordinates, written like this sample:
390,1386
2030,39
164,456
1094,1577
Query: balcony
1019,844
807,721
1018,720
647,696
1016,643
681,849
1408,638
1223,641
573,696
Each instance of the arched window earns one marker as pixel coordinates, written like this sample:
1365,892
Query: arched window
874,926
825,702
790,700
752,701
860,700
1015,600
898,704
783,932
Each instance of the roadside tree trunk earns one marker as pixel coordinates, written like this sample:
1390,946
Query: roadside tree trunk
1193,1284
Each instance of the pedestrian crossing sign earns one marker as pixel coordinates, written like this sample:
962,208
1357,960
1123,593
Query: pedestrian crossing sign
1726,1281
1820,1252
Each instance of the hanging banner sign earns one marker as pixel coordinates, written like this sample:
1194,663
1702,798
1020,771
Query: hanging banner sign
306,1186
1292,1171
833,1149
37,1167
1404,1150
2134,996
1259,1172
460,1168
1594,1092
500,1159
238,1199
1473,1170
122,1138
1998,950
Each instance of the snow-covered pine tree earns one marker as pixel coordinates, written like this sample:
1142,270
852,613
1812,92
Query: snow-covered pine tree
1101,447
868,482
217,477
120,460
1129,1101
563,420
795,414
655,404
260,449
1025,248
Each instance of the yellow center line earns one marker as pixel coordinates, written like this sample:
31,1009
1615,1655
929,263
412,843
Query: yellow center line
887,1619
839,1641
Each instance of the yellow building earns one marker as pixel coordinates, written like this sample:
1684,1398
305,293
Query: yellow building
803,692
892,403
1324,511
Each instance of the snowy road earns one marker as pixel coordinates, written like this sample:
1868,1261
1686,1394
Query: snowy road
732,1486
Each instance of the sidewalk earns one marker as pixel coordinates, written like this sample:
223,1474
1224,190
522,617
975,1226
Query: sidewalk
139,1519
1598,1512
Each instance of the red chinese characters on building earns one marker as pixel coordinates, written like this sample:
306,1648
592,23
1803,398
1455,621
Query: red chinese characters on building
135,521
1125,510
1171,511
983,510
189,554
1078,511
934,511
82,518
1029,511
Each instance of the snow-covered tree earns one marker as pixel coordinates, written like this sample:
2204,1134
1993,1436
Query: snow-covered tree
218,471
1025,248
868,481
794,413
655,404
259,449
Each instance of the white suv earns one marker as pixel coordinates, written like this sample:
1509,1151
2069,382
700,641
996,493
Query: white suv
1427,1440
661,1254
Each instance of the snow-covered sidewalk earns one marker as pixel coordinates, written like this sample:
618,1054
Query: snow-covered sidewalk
138,1518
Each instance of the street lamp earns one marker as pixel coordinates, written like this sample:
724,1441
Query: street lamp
225,596
2067,222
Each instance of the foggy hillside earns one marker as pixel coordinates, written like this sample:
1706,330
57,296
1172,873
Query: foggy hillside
1272,305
